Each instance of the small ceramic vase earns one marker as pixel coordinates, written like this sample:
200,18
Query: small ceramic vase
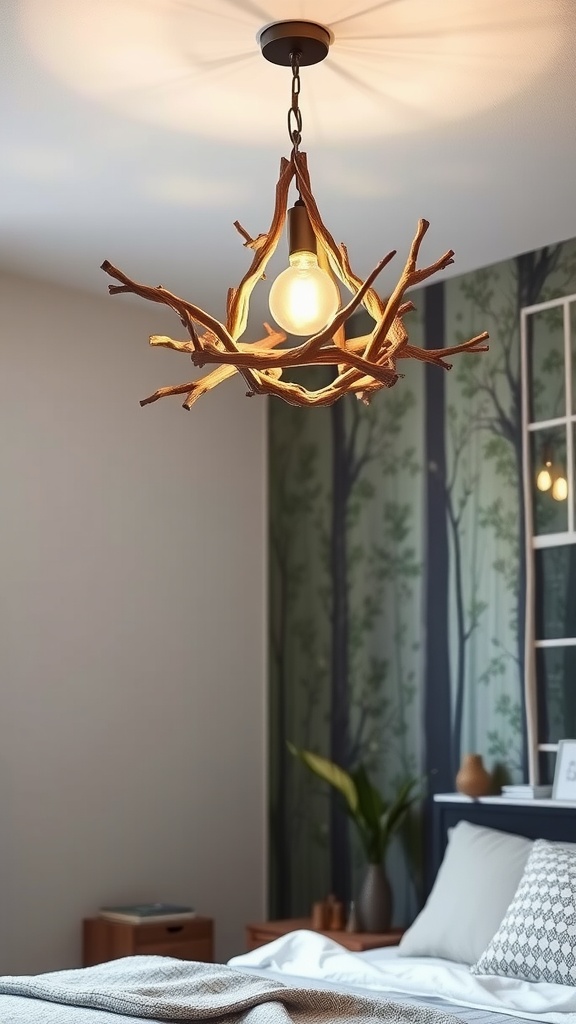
374,903
472,778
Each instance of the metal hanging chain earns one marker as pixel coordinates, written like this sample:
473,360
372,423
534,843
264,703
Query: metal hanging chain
294,113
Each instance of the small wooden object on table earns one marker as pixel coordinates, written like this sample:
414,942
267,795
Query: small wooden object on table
103,939
267,931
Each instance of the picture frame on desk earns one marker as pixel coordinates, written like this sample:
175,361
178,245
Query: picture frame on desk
564,786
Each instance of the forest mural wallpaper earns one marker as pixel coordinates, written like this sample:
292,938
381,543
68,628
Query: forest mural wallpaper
397,581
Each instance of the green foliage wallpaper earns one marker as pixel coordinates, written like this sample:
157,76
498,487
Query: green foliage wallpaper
397,581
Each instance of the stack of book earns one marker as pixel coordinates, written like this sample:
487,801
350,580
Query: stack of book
527,792
141,913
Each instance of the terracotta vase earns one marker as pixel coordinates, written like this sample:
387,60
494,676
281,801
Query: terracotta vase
374,904
472,778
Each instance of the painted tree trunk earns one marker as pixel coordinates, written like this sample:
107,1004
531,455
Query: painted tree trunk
340,880
280,860
461,633
439,768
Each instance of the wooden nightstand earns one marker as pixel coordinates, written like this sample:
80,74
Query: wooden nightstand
103,940
266,931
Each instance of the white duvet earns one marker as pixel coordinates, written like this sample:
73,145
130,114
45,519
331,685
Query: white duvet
307,956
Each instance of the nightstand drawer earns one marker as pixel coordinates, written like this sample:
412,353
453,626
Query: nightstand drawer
159,934
195,949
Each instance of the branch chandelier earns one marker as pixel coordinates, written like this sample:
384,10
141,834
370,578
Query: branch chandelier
304,299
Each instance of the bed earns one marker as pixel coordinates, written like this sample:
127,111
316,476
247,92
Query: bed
494,944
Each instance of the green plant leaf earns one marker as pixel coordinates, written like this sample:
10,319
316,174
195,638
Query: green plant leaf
331,773
396,812
370,804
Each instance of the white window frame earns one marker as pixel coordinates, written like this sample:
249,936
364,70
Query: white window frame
533,542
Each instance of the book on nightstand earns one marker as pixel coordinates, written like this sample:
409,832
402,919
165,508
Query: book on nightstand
140,913
527,792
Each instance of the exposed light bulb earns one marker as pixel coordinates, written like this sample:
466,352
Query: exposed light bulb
303,297
560,488
544,478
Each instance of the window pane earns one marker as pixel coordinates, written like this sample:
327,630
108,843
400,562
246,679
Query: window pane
548,474
572,308
572,498
546,374
555,592
556,672
546,763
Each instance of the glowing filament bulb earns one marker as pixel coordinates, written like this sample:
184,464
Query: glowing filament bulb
303,298
560,488
544,478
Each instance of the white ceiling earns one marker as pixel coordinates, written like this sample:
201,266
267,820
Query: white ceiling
139,130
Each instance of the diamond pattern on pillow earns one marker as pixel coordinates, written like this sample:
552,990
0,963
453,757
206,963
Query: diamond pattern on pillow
536,941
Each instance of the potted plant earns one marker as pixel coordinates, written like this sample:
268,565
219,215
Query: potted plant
376,821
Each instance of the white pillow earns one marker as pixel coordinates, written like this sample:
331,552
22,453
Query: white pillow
476,882
536,941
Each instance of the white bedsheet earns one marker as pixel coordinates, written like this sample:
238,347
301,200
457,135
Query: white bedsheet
310,956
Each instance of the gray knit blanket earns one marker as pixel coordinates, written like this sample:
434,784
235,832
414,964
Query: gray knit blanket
154,988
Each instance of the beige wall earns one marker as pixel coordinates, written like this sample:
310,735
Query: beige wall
132,628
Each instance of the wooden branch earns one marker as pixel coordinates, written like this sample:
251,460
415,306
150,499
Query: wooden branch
339,335
237,318
196,388
184,309
248,240
374,304
166,298
327,355
176,389
274,337
160,340
409,277
295,394
438,355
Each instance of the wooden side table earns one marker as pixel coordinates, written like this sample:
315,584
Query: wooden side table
266,931
103,940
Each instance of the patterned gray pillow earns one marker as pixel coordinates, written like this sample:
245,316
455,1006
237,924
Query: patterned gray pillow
537,938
